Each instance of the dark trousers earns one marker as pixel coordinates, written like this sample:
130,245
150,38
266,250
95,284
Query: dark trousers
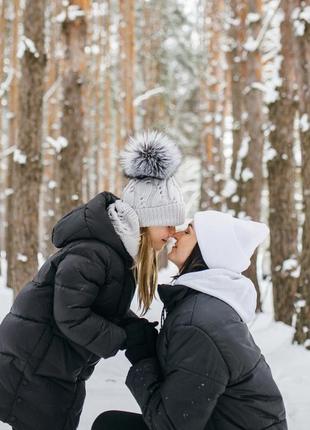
118,420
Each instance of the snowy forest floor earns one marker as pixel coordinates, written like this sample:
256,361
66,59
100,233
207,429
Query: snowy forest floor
290,365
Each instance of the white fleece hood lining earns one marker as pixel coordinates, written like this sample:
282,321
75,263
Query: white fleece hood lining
231,287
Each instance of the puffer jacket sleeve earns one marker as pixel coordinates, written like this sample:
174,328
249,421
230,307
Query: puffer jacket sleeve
195,378
78,279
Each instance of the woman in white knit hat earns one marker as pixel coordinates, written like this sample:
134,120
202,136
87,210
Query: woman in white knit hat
206,372
76,309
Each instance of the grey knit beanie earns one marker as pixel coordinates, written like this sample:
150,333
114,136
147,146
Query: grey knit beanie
150,160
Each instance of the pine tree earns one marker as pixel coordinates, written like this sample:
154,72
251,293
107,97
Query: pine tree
2,55
48,211
125,121
74,30
3,52
153,107
281,178
212,107
12,137
107,114
302,39
236,65
247,109
27,167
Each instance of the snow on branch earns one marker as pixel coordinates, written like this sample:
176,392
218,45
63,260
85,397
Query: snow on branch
252,44
27,44
304,124
22,257
19,157
57,144
4,86
300,17
230,188
5,153
148,94
52,89
71,13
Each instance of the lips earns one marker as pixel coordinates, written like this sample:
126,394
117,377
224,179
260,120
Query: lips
171,244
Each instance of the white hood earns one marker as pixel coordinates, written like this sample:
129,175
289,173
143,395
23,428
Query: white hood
228,242
232,288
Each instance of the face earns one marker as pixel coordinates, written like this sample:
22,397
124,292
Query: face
160,235
185,243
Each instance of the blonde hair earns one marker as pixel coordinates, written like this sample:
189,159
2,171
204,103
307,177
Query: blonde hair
146,271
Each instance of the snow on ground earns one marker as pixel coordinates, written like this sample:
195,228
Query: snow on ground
290,366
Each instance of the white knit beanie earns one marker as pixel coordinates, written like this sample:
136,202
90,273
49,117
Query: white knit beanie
150,160
227,242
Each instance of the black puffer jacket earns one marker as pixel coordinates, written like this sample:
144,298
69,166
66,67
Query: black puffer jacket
64,321
210,375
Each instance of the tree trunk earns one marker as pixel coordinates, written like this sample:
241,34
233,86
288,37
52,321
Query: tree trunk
12,127
72,128
127,45
97,141
250,177
2,55
107,120
3,40
27,168
281,180
235,60
212,108
302,334
154,71
51,134
127,79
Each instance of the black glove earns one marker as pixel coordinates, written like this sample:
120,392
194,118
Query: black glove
127,320
134,329
141,340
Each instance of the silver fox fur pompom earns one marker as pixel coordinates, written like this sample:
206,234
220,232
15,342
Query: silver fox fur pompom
150,154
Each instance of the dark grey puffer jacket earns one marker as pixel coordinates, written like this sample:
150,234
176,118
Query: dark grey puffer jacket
210,375
64,321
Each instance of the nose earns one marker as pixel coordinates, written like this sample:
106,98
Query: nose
177,234
171,231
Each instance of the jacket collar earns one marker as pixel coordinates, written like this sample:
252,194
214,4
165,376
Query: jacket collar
170,295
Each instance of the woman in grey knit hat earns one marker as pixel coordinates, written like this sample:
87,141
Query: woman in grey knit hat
76,309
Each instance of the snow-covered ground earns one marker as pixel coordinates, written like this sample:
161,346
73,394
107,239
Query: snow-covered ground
290,365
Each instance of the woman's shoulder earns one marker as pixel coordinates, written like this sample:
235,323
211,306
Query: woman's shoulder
213,311
205,311
222,326
215,318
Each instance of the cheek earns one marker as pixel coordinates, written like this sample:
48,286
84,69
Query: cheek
186,249
180,254
158,244
183,255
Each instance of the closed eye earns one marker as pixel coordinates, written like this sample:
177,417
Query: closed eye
188,230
